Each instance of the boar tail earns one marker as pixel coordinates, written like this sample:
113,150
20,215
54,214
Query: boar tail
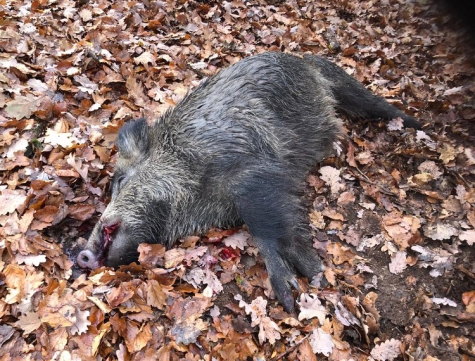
353,99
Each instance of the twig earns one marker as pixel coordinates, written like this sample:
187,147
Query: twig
290,349
466,271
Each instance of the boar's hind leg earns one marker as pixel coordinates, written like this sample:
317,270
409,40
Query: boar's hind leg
276,221
354,100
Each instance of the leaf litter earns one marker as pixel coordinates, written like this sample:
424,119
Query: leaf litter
393,210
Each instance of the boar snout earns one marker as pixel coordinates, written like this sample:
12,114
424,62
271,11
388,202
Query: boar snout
102,235
87,259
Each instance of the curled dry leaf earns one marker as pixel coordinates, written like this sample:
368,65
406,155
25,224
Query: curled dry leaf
387,351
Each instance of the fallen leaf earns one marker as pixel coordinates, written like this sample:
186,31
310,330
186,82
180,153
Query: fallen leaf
11,200
310,307
22,106
398,262
331,176
321,342
387,351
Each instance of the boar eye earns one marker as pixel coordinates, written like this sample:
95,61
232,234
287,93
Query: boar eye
118,183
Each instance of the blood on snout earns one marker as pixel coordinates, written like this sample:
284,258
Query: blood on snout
107,232
111,228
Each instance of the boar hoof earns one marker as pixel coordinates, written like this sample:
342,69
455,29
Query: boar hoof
87,259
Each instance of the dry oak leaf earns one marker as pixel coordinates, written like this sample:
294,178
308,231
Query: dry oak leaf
364,157
174,257
305,352
96,343
62,317
156,296
11,200
434,335
430,167
447,153
63,139
310,307
444,301
439,260
22,106
186,315
187,332
398,262
151,254
439,232
468,236
237,240
136,91
136,337
346,198
14,279
317,220
198,276
87,86
81,212
194,254
20,146
76,163
468,298
145,58
340,253
345,316
121,294
321,342
401,228
31,259
268,329
85,15
29,322
101,305
82,322
387,351
331,176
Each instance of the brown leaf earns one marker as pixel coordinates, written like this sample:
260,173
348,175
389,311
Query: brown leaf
174,257
340,254
305,352
151,254
11,200
29,322
60,318
120,294
81,212
22,106
136,338
46,214
156,297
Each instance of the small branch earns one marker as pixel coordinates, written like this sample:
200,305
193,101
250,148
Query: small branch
290,349
466,271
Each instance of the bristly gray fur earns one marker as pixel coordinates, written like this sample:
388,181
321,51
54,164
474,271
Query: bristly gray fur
236,149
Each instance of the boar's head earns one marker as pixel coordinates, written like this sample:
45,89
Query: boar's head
140,207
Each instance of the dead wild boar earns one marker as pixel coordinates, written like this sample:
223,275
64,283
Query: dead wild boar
235,150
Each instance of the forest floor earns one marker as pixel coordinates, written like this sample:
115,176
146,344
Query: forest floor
393,213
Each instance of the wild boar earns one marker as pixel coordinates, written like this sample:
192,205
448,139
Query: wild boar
235,150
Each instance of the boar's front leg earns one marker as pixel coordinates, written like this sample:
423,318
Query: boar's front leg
267,202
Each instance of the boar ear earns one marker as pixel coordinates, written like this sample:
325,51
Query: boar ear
132,140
